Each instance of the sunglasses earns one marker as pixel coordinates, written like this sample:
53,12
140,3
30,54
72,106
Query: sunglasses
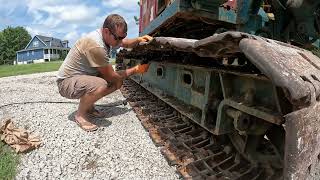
117,38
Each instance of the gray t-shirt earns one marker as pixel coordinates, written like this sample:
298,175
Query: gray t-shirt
88,53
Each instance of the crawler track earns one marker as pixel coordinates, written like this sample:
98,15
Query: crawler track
196,153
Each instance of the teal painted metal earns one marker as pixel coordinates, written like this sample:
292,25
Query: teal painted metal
227,15
168,13
241,88
244,15
299,24
198,92
224,124
183,9
206,5
212,10
186,84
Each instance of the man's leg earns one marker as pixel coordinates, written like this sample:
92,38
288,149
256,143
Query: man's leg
87,102
88,89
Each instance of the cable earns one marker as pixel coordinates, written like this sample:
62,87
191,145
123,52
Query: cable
118,103
281,4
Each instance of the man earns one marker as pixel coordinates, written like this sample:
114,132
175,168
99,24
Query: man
86,73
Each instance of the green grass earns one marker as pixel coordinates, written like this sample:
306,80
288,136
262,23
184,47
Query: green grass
8,162
13,70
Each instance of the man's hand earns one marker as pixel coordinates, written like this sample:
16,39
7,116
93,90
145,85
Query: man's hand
131,43
145,38
141,68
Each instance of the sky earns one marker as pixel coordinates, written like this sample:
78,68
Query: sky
65,19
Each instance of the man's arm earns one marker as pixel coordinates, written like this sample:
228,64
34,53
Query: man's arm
116,77
130,43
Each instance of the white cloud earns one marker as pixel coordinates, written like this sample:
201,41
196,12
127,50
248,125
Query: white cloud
72,13
84,34
37,16
51,22
71,36
10,4
53,13
36,4
97,22
130,5
67,19
38,31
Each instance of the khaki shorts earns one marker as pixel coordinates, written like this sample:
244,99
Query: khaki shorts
77,86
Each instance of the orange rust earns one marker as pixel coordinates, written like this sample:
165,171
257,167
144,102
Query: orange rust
170,156
184,172
154,134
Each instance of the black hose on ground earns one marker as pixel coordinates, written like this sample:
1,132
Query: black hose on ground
118,103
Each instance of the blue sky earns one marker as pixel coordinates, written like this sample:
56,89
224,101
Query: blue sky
67,20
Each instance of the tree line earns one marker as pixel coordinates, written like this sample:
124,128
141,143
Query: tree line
12,39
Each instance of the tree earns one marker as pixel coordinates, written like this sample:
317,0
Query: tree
136,19
12,40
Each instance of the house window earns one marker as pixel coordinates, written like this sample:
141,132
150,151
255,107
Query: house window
46,51
28,53
35,43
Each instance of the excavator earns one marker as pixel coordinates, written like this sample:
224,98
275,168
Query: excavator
233,86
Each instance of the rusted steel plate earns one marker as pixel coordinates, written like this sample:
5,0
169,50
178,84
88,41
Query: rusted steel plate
168,43
219,45
287,66
302,142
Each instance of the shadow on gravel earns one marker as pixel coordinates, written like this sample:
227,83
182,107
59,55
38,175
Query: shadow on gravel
109,111
113,111
100,122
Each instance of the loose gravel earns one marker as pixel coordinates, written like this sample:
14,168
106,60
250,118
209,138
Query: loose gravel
119,149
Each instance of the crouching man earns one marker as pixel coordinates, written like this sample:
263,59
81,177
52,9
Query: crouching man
86,73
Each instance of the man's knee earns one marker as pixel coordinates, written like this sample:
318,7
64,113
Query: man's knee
102,90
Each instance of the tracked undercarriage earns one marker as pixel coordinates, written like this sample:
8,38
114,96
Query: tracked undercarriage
196,153
230,106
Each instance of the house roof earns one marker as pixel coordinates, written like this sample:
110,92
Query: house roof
50,41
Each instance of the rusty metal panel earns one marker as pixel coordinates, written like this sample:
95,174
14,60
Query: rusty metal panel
165,43
302,141
219,45
289,67
148,11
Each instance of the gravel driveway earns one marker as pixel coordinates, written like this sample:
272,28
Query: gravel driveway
119,149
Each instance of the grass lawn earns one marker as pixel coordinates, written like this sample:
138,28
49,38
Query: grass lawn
8,162
13,70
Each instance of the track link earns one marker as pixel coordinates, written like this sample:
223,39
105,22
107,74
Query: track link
196,153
